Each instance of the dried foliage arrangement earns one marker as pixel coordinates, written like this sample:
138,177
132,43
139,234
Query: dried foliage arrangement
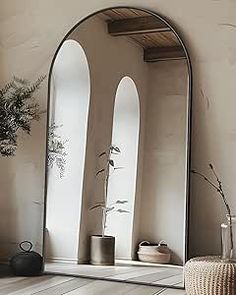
18,108
56,150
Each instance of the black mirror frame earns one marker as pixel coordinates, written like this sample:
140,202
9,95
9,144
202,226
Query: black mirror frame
189,118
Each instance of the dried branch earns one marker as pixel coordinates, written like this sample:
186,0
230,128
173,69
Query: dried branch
100,171
206,179
102,154
219,188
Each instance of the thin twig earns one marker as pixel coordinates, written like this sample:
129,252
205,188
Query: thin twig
227,207
220,190
205,178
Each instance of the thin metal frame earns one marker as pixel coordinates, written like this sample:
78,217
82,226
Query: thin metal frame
189,122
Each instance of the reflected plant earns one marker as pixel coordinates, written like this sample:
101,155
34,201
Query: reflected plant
18,109
107,171
56,150
219,188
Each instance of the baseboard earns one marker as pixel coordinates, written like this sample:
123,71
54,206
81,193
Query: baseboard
84,261
62,260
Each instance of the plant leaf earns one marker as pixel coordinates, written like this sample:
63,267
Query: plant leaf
122,211
121,201
116,168
109,209
115,148
111,162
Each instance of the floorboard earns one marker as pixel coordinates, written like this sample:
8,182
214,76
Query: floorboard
13,287
161,275
64,288
60,285
41,285
114,288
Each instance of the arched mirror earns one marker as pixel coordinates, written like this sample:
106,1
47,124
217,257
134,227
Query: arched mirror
117,179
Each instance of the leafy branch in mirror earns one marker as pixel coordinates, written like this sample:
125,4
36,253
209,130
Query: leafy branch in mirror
18,108
106,171
56,150
219,188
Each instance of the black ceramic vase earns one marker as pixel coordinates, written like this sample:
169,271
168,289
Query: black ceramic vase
27,262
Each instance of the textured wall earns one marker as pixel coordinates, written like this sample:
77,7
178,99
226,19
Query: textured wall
163,203
30,31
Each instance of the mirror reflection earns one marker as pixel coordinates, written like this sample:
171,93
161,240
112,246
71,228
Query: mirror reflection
117,151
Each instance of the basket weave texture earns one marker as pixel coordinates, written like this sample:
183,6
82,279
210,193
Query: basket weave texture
210,276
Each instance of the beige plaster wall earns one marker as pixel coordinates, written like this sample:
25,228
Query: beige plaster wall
31,30
163,200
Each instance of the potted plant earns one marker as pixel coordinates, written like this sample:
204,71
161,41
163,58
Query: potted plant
103,246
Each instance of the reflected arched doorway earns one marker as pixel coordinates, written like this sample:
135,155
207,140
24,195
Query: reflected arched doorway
122,183
70,95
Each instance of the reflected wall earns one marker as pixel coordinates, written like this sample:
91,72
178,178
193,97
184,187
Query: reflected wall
159,178
123,180
70,96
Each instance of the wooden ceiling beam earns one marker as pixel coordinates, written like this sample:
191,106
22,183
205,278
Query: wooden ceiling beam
137,25
163,53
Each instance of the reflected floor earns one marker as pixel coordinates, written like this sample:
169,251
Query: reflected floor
134,272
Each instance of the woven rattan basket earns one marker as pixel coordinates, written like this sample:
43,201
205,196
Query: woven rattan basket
210,276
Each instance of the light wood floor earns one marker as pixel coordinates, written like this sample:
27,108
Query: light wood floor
155,276
58,285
